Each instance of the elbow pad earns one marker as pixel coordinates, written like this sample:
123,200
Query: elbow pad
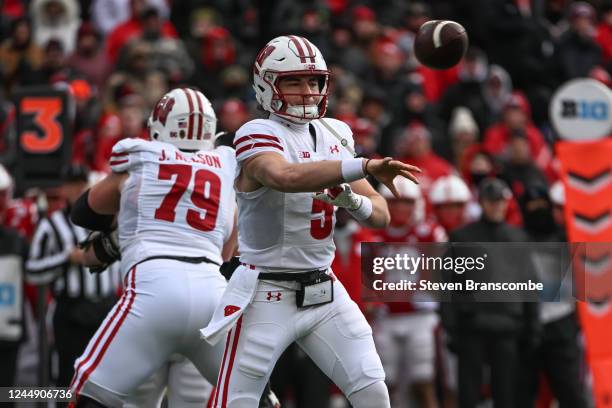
84,216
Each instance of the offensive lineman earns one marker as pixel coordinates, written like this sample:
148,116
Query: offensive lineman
175,204
284,291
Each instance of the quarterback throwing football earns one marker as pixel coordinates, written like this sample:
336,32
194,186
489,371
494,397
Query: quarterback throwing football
294,169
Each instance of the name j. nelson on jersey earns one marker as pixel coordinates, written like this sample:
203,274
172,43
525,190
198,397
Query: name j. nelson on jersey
199,157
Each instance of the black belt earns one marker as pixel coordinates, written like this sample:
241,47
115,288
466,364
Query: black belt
302,277
188,259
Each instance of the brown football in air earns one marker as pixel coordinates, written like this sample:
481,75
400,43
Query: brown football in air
440,44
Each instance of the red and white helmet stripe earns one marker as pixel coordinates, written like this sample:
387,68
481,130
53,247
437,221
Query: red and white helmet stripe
184,117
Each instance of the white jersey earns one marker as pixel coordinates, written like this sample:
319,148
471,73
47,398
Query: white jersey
173,203
287,231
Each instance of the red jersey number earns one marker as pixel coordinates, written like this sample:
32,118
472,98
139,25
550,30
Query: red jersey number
321,228
205,196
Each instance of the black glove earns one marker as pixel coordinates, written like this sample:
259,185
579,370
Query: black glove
105,246
98,268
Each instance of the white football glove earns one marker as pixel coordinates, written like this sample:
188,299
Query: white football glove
341,196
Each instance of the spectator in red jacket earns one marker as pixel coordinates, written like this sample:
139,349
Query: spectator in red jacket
217,53
132,125
516,118
233,114
366,135
413,145
134,28
604,31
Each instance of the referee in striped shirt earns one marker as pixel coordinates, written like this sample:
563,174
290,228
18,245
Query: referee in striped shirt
82,299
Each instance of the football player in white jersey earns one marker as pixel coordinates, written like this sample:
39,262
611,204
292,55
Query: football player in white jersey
175,207
284,291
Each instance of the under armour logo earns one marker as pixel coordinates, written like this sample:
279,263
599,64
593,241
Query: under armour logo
276,295
304,155
334,149
230,309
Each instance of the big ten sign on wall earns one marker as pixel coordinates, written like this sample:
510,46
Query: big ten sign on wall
44,137
580,112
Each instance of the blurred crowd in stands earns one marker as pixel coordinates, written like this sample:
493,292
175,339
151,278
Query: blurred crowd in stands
485,118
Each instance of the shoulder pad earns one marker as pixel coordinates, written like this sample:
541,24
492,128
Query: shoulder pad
257,136
121,159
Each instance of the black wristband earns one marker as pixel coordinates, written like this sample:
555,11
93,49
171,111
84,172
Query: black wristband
83,215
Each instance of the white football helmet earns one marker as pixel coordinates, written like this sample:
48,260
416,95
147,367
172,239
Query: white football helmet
406,188
408,191
449,189
6,181
185,118
6,191
290,55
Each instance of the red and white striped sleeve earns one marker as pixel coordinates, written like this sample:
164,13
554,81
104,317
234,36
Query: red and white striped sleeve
121,159
252,140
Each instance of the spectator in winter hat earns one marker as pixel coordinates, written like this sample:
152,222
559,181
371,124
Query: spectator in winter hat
56,19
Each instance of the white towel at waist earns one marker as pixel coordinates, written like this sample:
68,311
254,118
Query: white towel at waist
238,295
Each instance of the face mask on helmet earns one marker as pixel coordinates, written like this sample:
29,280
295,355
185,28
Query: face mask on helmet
185,118
299,96
283,77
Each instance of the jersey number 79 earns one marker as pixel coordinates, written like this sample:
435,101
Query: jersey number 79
205,196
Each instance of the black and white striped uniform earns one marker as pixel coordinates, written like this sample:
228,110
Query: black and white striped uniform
48,263
82,299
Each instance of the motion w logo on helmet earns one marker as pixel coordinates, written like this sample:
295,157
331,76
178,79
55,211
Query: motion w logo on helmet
261,57
162,109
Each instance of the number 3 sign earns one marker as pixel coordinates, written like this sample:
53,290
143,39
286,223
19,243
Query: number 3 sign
44,135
